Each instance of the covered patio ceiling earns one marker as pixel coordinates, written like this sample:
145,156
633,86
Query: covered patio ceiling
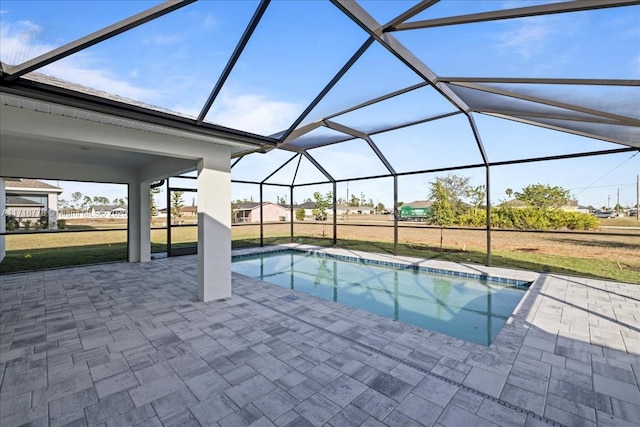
301,76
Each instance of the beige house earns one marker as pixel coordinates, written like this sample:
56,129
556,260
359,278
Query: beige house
250,212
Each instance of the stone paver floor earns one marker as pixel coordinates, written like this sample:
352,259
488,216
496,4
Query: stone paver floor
128,344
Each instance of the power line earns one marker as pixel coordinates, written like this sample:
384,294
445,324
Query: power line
604,186
603,176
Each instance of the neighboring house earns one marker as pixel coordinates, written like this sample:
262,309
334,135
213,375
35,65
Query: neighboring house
185,211
105,211
24,209
250,212
574,206
29,199
95,211
513,203
340,209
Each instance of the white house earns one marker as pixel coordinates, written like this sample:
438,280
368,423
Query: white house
29,199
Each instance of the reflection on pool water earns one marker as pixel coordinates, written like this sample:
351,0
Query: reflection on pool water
467,308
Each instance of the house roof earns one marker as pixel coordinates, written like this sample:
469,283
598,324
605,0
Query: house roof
252,205
107,207
27,183
21,201
515,203
247,206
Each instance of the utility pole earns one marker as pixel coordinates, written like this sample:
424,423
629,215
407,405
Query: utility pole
608,201
637,197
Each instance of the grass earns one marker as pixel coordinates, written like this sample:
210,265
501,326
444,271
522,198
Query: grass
612,258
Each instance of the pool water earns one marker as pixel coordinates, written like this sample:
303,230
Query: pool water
467,308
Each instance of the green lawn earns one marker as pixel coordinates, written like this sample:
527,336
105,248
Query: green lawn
56,250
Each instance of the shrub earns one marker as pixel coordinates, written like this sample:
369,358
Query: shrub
11,223
581,221
530,219
27,224
300,214
473,218
43,222
62,224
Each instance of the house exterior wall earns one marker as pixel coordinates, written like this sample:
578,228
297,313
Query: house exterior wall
271,212
3,223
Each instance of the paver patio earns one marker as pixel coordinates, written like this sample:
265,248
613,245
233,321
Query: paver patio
124,344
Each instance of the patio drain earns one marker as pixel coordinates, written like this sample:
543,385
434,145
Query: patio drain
461,386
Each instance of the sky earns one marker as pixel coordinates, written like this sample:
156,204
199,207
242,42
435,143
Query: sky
174,61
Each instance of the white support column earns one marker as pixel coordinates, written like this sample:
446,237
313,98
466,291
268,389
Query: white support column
52,210
3,223
214,226
139,222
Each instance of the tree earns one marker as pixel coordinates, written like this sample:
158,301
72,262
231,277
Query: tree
363,199
322,204
455,189
300,214
86,202
509,192
282,201
62,203
176,205
76,197
380,208
100,200
476,196
153,208
541,196
234,207
441,209
354,201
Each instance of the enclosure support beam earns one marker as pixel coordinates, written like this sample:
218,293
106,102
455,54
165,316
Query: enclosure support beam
139,226
488,169
291,210
94,38
335,215
539,10
248,31
261,219
395,214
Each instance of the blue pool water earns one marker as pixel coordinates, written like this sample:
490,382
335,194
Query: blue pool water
467,308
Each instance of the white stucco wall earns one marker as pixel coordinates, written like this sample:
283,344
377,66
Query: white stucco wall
169,155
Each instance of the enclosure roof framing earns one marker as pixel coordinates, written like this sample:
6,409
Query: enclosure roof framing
252,74
521,12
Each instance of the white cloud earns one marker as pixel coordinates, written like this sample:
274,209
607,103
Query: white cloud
77,71
18,43
253,113
163,40
526,37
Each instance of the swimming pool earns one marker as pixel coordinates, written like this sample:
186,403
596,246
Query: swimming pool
470,308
